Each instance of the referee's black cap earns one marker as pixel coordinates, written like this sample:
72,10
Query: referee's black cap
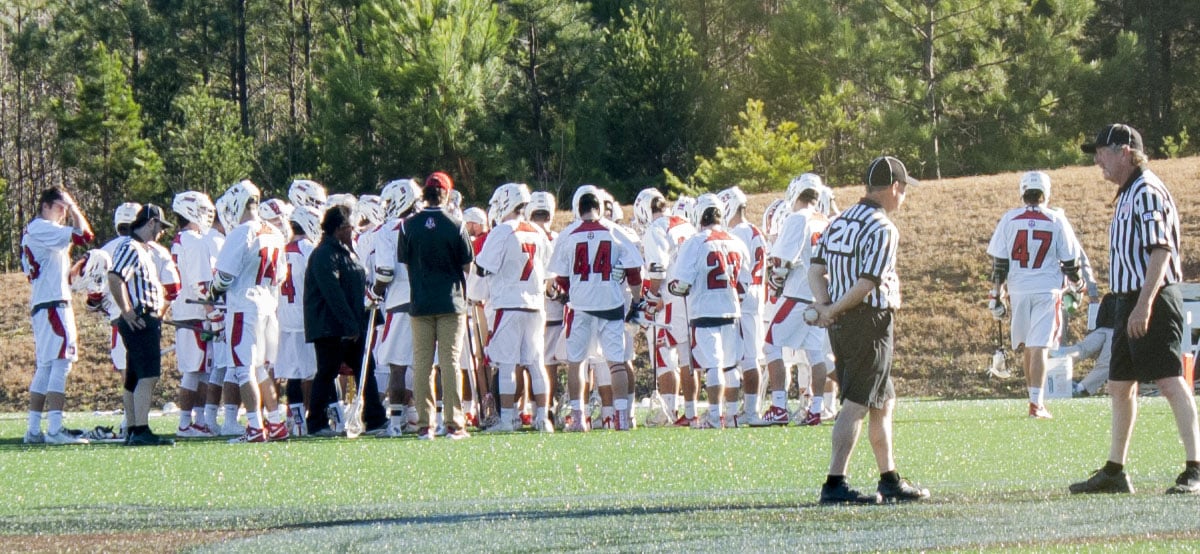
148,212
1118,134
886,170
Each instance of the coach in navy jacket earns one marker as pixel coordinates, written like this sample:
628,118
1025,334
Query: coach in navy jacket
335,320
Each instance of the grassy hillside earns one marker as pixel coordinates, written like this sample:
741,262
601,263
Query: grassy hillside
944,333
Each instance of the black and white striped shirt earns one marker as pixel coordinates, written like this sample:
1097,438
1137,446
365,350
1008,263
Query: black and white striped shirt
134,263
862,243
1145,218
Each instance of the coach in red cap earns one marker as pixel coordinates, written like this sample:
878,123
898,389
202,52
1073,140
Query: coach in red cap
438,253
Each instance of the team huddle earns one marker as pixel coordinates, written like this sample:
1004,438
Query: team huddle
260,299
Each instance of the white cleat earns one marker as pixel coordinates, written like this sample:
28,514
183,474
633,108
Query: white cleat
63,437
544,425
34,438
501,427
394,431
232,430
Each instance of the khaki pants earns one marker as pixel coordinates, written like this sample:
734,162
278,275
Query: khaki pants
445,332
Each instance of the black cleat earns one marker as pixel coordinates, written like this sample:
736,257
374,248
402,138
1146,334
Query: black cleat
1101,482
843,494
1188,482
148,438
901,491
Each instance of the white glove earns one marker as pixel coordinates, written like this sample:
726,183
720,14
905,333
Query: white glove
679,288
996,306
777,276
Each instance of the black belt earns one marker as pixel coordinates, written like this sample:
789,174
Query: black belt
47,305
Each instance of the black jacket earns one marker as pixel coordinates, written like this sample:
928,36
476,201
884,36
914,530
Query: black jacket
334,288
436,247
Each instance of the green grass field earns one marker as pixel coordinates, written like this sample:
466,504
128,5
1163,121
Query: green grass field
998,481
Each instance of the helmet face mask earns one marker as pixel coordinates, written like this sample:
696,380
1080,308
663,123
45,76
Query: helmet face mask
370,208
773,216
309,219
195,207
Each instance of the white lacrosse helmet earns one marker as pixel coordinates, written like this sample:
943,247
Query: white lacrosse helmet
370,208
807,181
685,207
475,215
304,192
309,219
222,206
126,213
618,213
195,207
642,213
454,201
606,204
1036,180
540,201
706,202
585,190
347,200
773,216
731,198
240,195
400,196
508,197
273,209
93,276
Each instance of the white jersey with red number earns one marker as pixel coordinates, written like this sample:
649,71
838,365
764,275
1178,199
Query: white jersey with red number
516,254
191,255
716,265
1034,241
756,244
592,255
364,247
46,259
253,255
291,293
387,239
796,245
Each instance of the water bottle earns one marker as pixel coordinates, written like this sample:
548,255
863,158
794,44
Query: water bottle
1070,301
998,362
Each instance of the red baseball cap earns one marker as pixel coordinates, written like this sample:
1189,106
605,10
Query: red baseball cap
441,180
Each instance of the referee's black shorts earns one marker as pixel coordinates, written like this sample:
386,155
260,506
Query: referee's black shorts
143,354
862,347
1158,354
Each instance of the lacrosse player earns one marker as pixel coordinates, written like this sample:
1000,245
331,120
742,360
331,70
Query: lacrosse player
588,262
515,257
222,357
393,350
45,259
194,215
670,350
540,212
248,274
297,359
789,277
750,324
1031,249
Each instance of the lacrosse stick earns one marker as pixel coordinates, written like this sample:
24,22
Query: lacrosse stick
999,368
486,404
354,422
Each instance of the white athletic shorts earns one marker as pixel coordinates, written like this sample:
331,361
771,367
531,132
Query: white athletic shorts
1035,319
271,338
584,330
190,350
752,330
297,359
789,330
672,321
394,344
601,372
518,337
116,350
246,334
716,347
555,343
54,335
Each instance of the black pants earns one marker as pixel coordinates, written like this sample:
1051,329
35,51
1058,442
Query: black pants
143,357
331,354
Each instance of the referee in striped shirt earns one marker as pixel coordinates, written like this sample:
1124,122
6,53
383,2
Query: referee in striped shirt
1144,272
856,292
135,287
